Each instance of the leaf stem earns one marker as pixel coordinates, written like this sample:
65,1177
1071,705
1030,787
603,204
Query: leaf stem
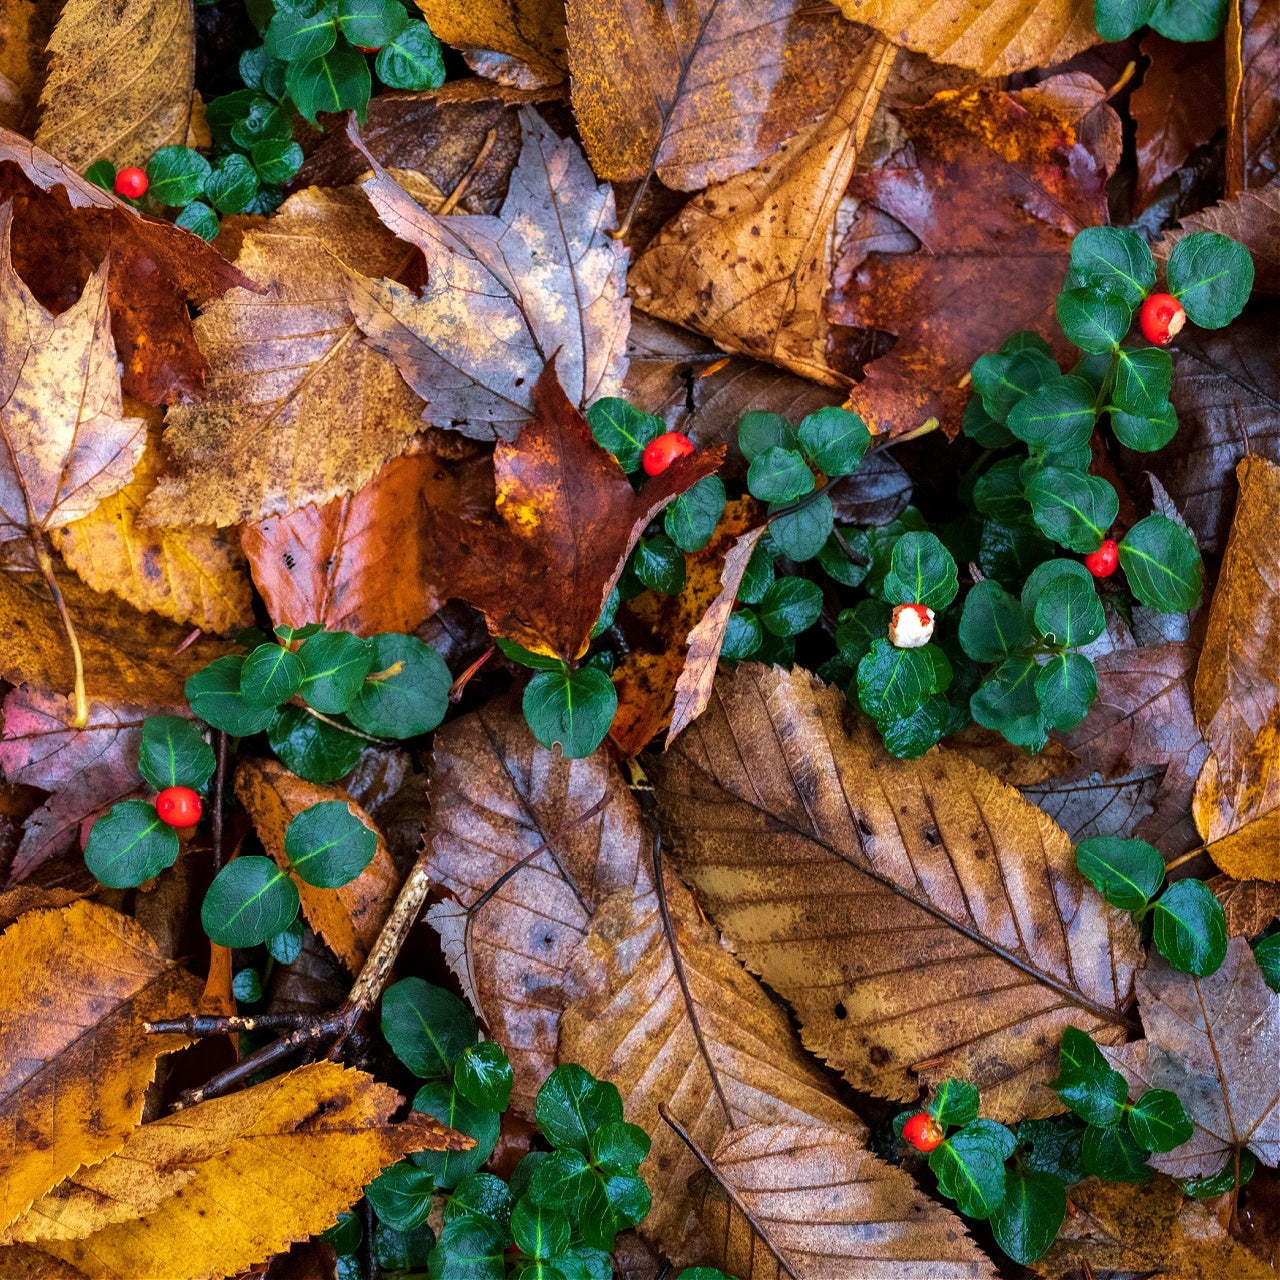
45,561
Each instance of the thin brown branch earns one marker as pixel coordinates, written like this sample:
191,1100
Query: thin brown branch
467,178
219,791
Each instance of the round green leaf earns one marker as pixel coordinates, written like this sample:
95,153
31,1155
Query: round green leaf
790,606
1159,1122
910,736
1181,20
1065,688
621,429
1097,1096
338,81
413,60
441,1100
1162,565
1212,276
1058,415
1073,508
1116,260
176,175
271,675
1267,953
1144,376
370,24
334,665
779,475
760,574
1189,927
742,636
998,491
834,440
954,1102
561,1179
480,1195
572,1104
398,1251
483,1075
857,629
174,754
246,986
286,946
249,901
232,184
470,1249
1026,1221
401,1196
993,624
328,846
921,571
1112,1155
214,695
759,431
1118,19
346,1234
969,1167
276,162
1047,572
102,173
300,33
1068,611
538,1230
894,682
1128,873
1002,380
1145,434
1079,1057
406,691
1006,701
620,1147
312,749
692,518
571,708
1093,320
129,845
426,1026
659,564
1218,1184
265,121
982,428
199,219
1010,551
801,533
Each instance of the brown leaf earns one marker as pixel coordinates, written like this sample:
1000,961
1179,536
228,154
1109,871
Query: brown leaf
64,227
699,93
25,29
285,363
363,562
866,890
120,81
1178,107
748,261
1214,1042
349,918
1253,68
224,1184
17,902
1252,217
193,573
1237,692
1250,905
504,294
1027,174
497,796
811,1193
516,42
994,37
75,987
570,519
1095,806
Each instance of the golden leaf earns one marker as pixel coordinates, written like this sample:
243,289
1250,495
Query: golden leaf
75,987
922,918
25,28
519,43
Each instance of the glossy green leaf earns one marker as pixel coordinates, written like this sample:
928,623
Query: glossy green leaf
1098,1096
1006,701
312,749
779,475
214,695
441,1100
1162,565
483,1075
561,1179
692,518
954,1102
276,162
1051,1146
480,1195
993,624
1212,276
572,708
659,564
759,431
413,60
1113,1155
1128,873
834,440
265,121
910,736
470,1249
1189,19
249,901
1116,260
922,571
1119,19
199,219
401,1196
129,845
397,1250
1002,380
857,629
1073,508
790,606
742,636
232,184
1079,1058
335,664
271,675
894,682
969,1167
539,1230
1026,1222
801,533
346,1234
1218,1184
1065,688
286,946
1093,320
427,1027
328,846
1059,414
1159,1122
102,173
1145,434
998,491
572,1104
1267,953
369,24
302,32
174,754
176,176
621,429
1008,552
1144,376
246,986
619,1147
982,428
1189,927
338,81
406,691
1067,609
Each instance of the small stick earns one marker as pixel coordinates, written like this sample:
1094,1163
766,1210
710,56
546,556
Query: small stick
199,1025
459,685
219,787
465,181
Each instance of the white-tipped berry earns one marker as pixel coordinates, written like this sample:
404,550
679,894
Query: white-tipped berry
911,626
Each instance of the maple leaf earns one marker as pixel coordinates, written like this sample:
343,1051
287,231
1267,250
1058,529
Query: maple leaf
520,43
836,871
504,293
1214,1042
75,1061
570,518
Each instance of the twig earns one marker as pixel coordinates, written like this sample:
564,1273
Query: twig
199,1025
342,728
79,700
1186,857
465,181
734,1197
219,788
457,688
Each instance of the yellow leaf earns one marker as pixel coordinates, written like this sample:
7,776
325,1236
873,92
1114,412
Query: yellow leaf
25,28
519,43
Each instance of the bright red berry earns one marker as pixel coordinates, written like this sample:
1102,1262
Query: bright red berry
1161,318
1102,563
364,48
132,184
179,806
659,454
922,1131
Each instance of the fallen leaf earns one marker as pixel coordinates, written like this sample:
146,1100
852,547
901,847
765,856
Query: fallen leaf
17,902
866,890
349,918
119,82
1252,217
75,987
363,562
1214,1042
25,29
504,294
1033,168
1237,691
285,361
570,519
1253,118
64,227
994,37
226,1183
1096,806
1250,905
191,573
700,92
748,261
516,42
498,796
1178,107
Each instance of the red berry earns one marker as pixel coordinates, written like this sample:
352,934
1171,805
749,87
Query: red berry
179,806
1102,563
1161,318
132,184
922,1131
659,454
364,48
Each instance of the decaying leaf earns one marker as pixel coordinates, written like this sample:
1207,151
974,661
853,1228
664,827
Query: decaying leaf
192,573
867,890
224,1184
570,519
504,294
349,918
1237,692
120,80
1214,1042
1031,175
285,364
498,796
699,92
994,37
748,261
1250,905
516,42
75,987
1253,116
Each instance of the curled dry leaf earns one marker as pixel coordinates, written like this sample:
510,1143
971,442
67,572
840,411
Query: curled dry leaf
570,519
700,92
868,890
286,362
1250,905
1252,217
504,294
994,37
219,1186
348,918
520,43
120,81
1032,175
748,261
75,1063
1253,119
498,796
1214,1042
